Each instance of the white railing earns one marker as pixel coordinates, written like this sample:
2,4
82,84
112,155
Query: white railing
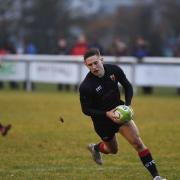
149,71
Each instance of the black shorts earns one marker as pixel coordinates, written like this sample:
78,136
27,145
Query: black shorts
105,128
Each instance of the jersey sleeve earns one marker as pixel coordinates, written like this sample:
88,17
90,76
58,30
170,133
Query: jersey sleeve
128,89
86,103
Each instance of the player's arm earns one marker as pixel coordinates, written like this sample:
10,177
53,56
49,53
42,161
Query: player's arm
86,103
128,89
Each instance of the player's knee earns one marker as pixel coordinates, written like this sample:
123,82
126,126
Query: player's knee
138,145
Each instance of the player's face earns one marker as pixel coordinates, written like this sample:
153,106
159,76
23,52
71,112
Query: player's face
95,65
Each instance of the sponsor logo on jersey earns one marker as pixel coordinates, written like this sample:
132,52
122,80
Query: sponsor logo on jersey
98,88
113,78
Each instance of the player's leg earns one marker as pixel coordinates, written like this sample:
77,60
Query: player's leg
131,134
108,147
108,143
104,147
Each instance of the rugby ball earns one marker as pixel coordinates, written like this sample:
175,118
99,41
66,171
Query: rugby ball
125,113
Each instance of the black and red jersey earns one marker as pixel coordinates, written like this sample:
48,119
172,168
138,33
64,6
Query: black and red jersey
98,95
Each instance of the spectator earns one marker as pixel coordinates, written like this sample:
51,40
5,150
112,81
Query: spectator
62,49
177,54
2,52
168,48
80,47
118,48
177,47
29,48
8,48
142,50
94,43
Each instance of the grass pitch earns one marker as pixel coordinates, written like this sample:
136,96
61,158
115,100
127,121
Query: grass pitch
40,146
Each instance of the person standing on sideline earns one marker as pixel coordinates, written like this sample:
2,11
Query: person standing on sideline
99,97
141,50
79,49
80,46
8,48
31,49
62,49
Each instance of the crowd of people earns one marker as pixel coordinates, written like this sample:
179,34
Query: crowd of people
7,47
117,47
139,47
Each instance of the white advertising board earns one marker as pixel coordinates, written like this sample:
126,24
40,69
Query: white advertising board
64,69
157,75
13,71
128,70
54,72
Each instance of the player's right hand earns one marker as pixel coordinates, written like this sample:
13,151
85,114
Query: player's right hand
112,115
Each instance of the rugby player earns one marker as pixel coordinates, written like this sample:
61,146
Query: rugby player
99,97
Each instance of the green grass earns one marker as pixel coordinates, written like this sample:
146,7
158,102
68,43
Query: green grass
39,146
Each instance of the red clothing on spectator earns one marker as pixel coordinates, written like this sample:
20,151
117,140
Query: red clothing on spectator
79,48
3,52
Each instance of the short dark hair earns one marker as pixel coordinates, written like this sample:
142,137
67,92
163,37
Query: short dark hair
91,52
